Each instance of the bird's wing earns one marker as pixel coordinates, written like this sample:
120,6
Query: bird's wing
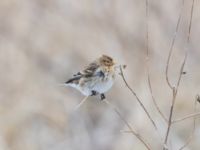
90,70
73,80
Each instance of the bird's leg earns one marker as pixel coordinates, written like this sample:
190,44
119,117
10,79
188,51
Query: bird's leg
94,93
103,96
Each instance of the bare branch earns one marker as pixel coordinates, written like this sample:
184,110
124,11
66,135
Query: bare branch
187,117
154,101
188,41
175,91
128,125
180,75
172,46
169,122
81,103
190,25
147,61
189,139
139,101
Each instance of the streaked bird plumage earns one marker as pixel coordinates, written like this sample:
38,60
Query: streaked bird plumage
97,78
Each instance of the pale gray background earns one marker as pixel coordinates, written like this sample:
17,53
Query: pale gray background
43,42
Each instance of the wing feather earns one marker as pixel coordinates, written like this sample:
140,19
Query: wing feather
90,70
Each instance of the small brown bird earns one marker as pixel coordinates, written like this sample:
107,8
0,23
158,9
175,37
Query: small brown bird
97,78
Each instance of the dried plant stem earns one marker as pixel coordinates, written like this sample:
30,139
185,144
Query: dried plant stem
128,125
187,117
175,91
172,46
147,62
81,103
154,101
189,139
139,101
190,25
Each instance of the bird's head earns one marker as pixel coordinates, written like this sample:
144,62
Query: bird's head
106,61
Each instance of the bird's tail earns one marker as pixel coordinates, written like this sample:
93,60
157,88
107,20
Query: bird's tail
74,80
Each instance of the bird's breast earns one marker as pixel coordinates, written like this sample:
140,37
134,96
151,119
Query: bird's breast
104,84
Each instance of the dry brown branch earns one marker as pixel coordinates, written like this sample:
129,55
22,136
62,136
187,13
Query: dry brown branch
172,46
147,61
81,103
180,75
139,101
131,130
190,25
154,101
187,117
188,41
175,91
189,139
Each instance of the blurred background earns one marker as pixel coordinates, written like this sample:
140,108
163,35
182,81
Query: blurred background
44,42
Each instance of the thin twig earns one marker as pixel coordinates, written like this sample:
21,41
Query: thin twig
172,46
170,121
175,91
128,125
154,101
187,117
189,139
81,103
180,74
139,101
147,61
190,25
188,41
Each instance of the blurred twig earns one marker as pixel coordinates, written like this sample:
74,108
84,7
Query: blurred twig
172,46
189,139
131,130
81,103
154,101
194,115
147,61
187,117
139,101
190,25
188,41
175,89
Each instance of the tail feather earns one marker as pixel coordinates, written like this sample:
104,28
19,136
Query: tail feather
73,80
